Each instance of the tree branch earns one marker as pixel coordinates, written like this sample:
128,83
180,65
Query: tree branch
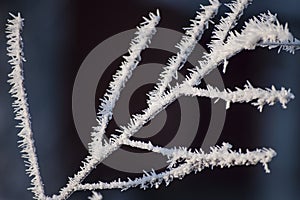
20,105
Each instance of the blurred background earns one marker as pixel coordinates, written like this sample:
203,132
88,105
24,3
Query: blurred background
58,35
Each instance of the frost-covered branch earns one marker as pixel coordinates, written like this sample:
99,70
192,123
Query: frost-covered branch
247,39
138,44
263,31
269,30
96,148
182,153
259,30
20,105
226,24
196,161
248,94
187,44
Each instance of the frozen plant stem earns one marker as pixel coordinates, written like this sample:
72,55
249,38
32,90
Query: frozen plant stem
138,44
262,31
20,105
193,162
248,94
187,44
234,44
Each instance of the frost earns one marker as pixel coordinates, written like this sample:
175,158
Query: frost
261,31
